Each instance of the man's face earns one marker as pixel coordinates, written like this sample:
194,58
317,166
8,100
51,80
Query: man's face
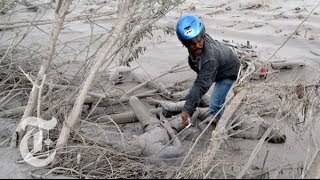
196,48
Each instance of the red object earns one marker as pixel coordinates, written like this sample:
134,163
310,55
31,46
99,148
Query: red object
263,72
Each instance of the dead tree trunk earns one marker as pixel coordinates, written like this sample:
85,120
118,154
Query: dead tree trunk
124,17
60,14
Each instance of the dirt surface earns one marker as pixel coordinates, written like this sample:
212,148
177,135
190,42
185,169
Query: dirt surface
276,30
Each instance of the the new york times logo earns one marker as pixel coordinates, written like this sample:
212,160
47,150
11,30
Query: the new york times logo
29,155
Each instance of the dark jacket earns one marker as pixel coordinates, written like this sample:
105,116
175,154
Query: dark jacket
216,62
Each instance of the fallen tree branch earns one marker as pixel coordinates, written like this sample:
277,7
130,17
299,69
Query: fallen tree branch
146,82
11,112
127,117
18,24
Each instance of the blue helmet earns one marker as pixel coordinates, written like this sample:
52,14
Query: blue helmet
190,29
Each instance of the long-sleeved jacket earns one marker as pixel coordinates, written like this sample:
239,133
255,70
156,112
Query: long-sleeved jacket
216,62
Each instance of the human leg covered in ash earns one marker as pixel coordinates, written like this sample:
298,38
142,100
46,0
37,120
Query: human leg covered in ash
202,113
158,134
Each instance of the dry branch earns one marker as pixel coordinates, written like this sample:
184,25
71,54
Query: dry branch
32,102
172,70
219,134
124,16
314,171
11,112
19,24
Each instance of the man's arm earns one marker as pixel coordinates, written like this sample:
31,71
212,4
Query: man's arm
201,85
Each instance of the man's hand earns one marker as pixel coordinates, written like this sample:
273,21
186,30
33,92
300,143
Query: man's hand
185,118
